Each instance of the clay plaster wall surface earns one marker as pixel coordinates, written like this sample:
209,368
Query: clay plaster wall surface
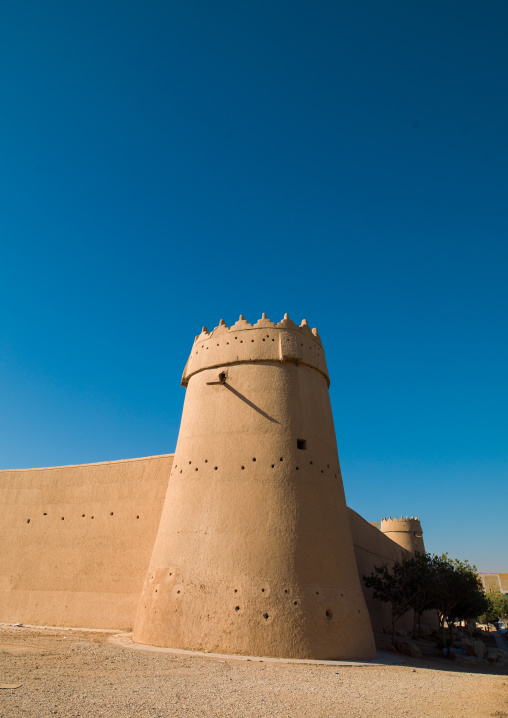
76,541
373,548
89,572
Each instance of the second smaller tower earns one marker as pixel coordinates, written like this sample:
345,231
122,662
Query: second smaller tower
407,532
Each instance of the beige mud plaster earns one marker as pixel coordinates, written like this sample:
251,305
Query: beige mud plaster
76,541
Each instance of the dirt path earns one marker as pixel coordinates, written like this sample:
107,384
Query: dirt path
78,673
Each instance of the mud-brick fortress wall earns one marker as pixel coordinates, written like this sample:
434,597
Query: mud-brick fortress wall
76,541
74,552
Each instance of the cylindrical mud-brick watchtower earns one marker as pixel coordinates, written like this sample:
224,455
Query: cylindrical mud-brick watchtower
407,532
254,553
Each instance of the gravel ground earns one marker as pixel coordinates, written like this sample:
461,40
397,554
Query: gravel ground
81,673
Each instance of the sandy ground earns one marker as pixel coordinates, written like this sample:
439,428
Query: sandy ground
82,673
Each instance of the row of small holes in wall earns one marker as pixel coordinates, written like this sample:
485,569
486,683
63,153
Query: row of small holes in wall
266,616
62,518
195,469
203,346
328,612
254,459
285,591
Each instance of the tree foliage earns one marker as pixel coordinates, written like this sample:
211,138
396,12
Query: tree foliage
423,582
457,591
497,607
392,587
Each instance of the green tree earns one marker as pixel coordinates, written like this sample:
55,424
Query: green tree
471,605
497,607
457,591
395,587
423,582
420,576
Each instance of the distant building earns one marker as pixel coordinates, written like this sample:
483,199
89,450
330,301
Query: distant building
495,582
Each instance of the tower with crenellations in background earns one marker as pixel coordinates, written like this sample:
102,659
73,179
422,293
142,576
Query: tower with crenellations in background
407,532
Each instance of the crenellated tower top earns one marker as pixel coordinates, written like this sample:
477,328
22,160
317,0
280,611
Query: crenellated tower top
264,341
411,524
407,532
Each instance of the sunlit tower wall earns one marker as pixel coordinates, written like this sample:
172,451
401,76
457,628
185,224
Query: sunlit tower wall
407,532
254,554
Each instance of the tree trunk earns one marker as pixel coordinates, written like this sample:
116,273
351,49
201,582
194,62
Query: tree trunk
393,627
442,628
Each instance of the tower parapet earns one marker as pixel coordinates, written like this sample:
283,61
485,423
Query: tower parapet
264,341
407,532
254,553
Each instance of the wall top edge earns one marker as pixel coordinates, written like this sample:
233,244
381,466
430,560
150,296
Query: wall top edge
93,463
492,573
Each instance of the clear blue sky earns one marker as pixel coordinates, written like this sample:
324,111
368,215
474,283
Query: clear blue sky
168,164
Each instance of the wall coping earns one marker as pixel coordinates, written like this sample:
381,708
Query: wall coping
92,463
